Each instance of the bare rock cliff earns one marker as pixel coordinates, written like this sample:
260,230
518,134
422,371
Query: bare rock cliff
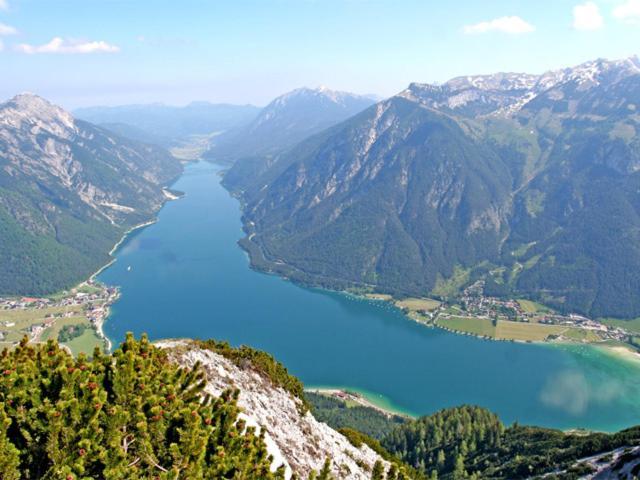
300,442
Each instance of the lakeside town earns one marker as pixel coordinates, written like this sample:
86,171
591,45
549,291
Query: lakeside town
474,313
79,313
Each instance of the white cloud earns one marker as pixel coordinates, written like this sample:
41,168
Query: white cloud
7,30
4,5
1,46
587,16
59,45
513,25
628,12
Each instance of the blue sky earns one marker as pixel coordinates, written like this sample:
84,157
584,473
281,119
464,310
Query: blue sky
87,52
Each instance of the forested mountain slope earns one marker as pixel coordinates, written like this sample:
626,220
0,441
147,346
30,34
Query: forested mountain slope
471,442
68,191
527,181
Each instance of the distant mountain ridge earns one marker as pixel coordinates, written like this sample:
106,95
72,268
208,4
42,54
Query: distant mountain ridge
68,191
287,120
168,125
503,94
527,182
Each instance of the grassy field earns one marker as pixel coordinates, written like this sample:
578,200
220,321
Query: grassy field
629,325
85,343
582,335
534,332
417,304
24,319
379,296
86,288
519,331
451,286
533,307
61,322
31,315
476,326
538,332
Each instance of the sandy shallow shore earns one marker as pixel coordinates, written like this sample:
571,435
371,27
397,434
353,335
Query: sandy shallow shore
626,353
347,396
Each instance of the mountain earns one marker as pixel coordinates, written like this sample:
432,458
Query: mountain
168,125
68,192
286,121
527,182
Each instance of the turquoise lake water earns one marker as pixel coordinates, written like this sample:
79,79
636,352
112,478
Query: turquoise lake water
189,278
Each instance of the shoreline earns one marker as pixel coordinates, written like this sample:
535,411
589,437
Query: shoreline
360,398
169,196
126,233
621,352
99,327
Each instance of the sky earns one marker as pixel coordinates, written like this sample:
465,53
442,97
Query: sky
110,52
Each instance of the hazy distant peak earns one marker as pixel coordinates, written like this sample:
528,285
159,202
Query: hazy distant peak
322,92
287,120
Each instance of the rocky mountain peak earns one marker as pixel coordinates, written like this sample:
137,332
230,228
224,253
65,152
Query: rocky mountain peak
590,73
305,98
504,94
32,112
322,92
499,81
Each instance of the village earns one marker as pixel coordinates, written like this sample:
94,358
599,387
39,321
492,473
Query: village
473,301
474,313
42,318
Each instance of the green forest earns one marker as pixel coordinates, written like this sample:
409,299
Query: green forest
469,442
339,415
131,415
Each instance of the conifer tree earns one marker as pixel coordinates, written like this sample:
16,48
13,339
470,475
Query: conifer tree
9,455
378,471
132,415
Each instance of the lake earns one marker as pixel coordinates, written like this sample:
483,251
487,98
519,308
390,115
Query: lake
185,276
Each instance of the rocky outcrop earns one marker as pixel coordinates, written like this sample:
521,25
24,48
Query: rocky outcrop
40,142
298,441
